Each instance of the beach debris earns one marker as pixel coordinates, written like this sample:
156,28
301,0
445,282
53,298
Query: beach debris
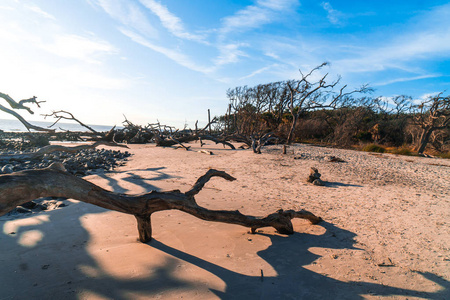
80,160
335,159
81,163
205,152
21,187
7,169
385,262
314,177
39,205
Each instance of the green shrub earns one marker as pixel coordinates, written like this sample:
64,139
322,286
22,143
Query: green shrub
363,136
373,148
444,155
402,151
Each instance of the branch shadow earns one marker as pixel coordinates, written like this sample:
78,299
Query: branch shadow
339,184
60,265
133,177
288,255
63,253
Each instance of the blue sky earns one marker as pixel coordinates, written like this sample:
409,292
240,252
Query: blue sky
172,60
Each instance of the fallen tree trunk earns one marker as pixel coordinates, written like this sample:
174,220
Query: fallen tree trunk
21,187
170,141
54,148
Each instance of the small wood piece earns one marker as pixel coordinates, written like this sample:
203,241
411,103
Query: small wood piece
205,152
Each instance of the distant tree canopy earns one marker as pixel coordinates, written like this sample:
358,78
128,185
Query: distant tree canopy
317,110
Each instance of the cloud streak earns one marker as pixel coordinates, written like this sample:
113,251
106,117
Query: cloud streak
333,15
170,21
128,14
254,16
405,79
40,12
176,56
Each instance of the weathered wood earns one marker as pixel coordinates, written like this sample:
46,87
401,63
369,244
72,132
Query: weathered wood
20,187
62,114
190,138
19,105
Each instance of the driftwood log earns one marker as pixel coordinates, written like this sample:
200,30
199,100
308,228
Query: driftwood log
21,187
170,141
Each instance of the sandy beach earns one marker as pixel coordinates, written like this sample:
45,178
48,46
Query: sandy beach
385,234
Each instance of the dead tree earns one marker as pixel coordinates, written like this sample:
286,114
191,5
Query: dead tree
21,187
307,96
431,115
20,105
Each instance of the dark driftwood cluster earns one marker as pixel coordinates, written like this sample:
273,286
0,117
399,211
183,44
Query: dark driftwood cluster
54,148
21,187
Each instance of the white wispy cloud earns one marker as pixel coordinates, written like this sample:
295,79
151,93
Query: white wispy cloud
170,21
129,14
176,56
253,16
278,4
6,8
39,11
82,48
405,79
49,55
259,71
230,53
398,52
333,15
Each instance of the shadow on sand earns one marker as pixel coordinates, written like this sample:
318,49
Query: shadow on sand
133,177
61,257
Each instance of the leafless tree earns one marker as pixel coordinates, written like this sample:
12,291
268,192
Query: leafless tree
306,95
431,115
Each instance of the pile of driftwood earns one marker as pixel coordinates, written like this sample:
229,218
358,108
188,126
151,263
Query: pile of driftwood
168,136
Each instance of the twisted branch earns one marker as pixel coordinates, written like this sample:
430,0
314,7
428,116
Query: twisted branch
20,187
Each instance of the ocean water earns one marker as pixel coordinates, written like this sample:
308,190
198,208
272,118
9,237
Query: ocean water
17,126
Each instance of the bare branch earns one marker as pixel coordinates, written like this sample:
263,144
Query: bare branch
19,105
20,187
62,114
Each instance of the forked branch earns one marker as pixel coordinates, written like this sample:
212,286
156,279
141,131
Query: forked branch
20,187
20,105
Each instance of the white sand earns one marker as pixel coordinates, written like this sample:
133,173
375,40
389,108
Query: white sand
386,232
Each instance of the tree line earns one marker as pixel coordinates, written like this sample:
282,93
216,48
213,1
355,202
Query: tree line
326,111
